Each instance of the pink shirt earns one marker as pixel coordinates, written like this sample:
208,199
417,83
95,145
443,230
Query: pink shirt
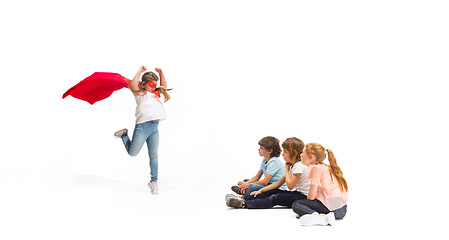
329,192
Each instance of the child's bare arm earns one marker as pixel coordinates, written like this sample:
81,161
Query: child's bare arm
134,85
264,181
313,188
162,77
273,186
256,177
245,185
291,181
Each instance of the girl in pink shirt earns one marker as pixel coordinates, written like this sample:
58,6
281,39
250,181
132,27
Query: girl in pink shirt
327,196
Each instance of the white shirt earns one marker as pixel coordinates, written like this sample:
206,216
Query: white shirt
302,185
149,108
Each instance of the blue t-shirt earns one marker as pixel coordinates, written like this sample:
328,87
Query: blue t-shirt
275,168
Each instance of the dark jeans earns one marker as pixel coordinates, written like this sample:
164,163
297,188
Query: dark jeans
264,194
273,198
306,206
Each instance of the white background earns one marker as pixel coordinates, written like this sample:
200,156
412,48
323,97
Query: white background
363,78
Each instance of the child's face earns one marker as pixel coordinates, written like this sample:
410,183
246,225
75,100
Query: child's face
287,156
150,88
263,151
305,159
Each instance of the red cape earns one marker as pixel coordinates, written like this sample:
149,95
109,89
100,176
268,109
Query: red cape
97,87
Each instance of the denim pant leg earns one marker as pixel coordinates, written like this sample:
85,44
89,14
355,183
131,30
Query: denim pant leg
282,198
252,188
153,145
341,212
287,198
305,206
139,137
264,194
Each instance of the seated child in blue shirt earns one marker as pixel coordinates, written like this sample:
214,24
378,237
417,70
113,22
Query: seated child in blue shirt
273,169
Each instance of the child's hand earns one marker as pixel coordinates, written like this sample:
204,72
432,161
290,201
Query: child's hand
288,166
244,185
255,193
143,69
158,70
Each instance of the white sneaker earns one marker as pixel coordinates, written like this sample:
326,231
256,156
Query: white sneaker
121,133
154,188
233,195
317,219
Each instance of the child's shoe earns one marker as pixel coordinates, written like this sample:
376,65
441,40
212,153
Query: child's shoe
331,218
317,219
121,133
233,195
154,187
234,202
237,190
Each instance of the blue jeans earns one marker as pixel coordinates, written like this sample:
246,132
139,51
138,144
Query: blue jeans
306,206
145,132
252,188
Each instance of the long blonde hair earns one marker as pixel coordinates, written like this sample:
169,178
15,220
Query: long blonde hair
151,76
320,153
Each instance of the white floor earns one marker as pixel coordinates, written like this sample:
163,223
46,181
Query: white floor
367,79
90,206
97,206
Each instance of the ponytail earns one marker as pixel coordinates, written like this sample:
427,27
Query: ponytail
336,171
319,151
164,92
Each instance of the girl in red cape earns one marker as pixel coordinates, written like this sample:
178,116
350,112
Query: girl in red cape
149,112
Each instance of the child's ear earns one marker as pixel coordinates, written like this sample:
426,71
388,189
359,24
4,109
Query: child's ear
312,157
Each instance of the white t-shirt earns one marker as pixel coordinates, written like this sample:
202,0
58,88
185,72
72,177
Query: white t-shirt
149,108
302,185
